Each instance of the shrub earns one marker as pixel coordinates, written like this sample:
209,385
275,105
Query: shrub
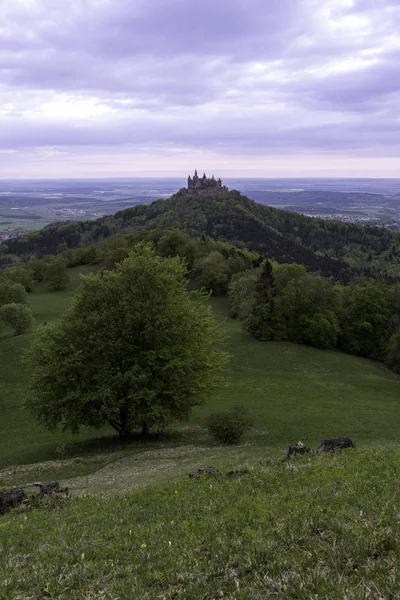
18,316
12,292
227,427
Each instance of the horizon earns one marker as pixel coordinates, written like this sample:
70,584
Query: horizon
175,177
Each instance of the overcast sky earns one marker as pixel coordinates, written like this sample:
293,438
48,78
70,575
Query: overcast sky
268,88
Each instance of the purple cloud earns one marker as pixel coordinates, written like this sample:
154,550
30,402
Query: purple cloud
242,77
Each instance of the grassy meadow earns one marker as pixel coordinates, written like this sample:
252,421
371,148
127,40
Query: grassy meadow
137,527
294,393
326,527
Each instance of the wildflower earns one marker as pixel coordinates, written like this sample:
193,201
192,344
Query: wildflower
82,555
143,546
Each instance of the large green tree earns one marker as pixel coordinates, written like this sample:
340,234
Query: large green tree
136,350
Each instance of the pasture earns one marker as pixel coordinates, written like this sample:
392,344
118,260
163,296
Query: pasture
294,393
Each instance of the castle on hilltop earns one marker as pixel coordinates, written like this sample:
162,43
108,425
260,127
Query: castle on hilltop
203,186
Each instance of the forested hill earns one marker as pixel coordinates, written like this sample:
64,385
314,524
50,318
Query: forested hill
330,247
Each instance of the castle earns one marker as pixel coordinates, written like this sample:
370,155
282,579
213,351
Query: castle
203,186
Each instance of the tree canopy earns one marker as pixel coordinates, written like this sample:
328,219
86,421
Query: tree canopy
135,350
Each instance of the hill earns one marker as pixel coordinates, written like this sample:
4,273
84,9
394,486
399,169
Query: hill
333,248
294,392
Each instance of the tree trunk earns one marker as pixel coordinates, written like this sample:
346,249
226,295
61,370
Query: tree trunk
145,430
122,425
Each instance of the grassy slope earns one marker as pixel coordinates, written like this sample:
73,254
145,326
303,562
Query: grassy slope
325,527
295,393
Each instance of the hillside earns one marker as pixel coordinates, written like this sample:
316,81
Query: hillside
331,247
323,527
294,392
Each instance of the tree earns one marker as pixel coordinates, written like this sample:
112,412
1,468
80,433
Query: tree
321,330
242,289
57,274
21,275
18,316
135,350
393,352
261,323
214,273
365,318
12,292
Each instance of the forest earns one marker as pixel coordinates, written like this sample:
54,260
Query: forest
279,300
331,248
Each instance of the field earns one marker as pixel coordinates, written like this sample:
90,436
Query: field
137,527
294,393
326,528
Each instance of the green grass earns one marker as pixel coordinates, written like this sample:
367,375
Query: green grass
321,527
326,527
294,392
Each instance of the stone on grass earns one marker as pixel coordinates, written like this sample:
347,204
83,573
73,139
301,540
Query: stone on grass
335,444
50,488
204,471
297,450
10,499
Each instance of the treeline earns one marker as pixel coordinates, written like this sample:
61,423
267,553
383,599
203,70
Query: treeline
275,301
53,240
210,263
283,302
333,249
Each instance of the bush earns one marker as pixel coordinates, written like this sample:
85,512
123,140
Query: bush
227,427
18,316
12,292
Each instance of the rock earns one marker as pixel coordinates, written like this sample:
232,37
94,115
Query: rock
297,450
50,488
335,444
205,471
209,470
10,499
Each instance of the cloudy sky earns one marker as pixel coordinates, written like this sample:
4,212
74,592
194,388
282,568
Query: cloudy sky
268,88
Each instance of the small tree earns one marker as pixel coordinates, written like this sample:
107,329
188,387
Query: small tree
57,274
18,316
136,350
12,292
21,275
